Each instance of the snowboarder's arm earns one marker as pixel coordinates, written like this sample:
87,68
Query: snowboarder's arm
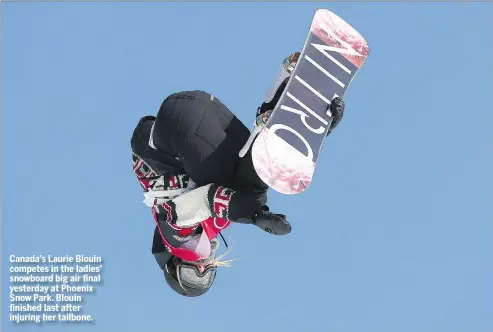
248,180
194,207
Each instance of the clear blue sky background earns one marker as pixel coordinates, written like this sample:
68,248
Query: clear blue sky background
395,234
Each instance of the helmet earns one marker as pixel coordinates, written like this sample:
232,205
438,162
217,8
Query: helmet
275,92
185,278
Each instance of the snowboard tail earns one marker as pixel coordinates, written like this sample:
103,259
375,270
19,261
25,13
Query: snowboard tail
286,150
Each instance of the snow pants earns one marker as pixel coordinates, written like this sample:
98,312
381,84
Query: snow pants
206,137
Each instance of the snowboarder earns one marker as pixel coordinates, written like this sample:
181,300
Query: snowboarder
186,160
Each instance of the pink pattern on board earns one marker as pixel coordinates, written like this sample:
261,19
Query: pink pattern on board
334,31
279,165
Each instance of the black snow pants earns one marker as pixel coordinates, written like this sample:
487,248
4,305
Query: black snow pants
206,137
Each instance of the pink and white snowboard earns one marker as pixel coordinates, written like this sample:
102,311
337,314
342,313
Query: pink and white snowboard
286,150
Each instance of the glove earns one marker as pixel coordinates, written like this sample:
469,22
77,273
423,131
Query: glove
336,107
271,222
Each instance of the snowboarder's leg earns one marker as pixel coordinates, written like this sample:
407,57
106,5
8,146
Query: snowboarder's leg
204,134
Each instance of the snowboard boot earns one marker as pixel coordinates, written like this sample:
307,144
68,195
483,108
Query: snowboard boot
274,93
271,98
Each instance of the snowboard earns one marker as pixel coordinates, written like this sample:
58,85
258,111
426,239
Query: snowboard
286,149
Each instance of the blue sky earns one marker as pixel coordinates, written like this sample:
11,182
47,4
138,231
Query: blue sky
395,233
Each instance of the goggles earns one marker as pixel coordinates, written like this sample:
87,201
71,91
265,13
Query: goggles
190,276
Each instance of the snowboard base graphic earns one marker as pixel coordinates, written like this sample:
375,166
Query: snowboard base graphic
286,150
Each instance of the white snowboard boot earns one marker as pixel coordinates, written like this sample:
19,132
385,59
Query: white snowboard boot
271,98
274,93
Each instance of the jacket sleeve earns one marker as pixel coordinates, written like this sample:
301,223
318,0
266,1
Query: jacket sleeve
248,180
232,205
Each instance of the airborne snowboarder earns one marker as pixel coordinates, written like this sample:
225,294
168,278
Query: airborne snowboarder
187,161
